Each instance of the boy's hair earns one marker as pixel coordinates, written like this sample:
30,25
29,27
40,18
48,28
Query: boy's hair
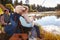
18,8
5,10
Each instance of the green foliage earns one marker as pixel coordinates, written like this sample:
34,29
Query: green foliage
32,8
16,2
6,2
58,7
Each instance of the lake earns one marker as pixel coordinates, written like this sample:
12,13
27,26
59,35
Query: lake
50,24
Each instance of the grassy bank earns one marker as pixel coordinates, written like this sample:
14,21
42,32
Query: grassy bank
48,35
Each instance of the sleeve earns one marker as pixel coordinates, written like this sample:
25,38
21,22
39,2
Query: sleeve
24,23
2,20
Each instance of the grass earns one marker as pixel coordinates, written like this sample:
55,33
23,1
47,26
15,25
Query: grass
48,35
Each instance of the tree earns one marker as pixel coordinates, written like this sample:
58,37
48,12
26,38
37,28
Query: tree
39,8
10,1
33,7
58,7
21,3
5,2
16,2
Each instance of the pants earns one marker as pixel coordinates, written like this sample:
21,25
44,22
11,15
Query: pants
37,30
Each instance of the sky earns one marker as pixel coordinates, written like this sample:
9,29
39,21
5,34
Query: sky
47,3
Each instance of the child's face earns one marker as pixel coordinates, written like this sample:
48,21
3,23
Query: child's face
22,12
26,10
7,12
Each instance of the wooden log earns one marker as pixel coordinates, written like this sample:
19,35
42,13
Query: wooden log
19,37
1,6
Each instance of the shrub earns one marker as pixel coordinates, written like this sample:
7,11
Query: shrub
10,7
1,12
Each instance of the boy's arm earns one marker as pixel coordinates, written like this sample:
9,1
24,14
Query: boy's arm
2,21
24,23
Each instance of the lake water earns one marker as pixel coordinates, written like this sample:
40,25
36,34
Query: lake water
50,24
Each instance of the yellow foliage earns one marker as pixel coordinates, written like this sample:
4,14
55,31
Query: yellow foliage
1,12
10,7
48,35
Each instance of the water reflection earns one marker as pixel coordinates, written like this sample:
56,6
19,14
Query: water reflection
49,20
50,24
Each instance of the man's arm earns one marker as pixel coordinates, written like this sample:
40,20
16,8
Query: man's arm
27,18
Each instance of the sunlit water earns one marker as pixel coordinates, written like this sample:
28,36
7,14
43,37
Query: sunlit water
50,24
